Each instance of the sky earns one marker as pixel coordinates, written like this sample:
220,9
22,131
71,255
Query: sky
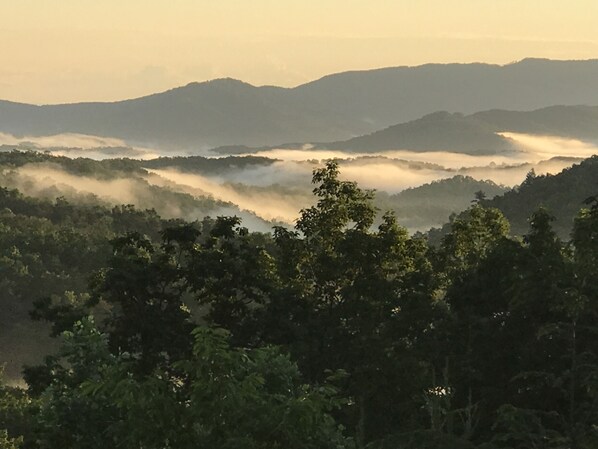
61,51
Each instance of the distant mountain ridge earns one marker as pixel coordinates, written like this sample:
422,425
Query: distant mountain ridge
336,107
476,133
440,131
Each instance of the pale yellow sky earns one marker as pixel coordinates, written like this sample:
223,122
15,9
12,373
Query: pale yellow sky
101,50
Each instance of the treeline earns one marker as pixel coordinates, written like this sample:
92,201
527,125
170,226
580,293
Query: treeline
417,208
108,168
330,335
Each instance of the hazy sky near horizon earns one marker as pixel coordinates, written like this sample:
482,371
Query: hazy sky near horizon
89,50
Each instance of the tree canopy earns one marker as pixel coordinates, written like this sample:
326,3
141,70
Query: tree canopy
335,334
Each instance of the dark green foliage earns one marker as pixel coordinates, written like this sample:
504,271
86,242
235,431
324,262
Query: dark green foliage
562,194
216,396
205,165
143,290
356,299
16,411
48,252
424,439
230,273
337,334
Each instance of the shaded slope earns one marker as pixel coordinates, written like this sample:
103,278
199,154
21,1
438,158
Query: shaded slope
562,194
476,133
431,204
579,122
440,131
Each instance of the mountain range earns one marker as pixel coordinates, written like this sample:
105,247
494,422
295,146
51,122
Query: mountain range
334,108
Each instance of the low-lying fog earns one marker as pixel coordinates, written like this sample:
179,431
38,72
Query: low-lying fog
78,145
278,189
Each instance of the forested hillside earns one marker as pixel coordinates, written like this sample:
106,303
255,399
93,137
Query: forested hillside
120,181
48,251
334,334
562,194
261,190
432,204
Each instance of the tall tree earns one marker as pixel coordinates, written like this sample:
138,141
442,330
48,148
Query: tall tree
357,299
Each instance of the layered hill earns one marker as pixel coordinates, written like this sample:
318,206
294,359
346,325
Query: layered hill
440,131
336,107
431,204
476,133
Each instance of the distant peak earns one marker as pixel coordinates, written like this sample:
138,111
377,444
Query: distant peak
538,61
442,115
532,60
219,82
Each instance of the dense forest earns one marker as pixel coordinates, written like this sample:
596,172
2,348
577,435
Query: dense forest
335,334
433,203
264,191
561,194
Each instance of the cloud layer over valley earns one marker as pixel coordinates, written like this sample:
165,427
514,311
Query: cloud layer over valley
77,145
274,186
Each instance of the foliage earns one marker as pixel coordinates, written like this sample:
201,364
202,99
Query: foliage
562,194
218,397
48,252
335,334
16,410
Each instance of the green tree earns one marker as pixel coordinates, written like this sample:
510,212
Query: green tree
219,397
230,273
552,402
357,299
476,262
144,289
16,415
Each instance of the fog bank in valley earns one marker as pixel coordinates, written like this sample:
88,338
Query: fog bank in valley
78,145
50,181
277,188
270,204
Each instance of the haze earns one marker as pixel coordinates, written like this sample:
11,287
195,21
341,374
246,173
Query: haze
76,50
280,189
